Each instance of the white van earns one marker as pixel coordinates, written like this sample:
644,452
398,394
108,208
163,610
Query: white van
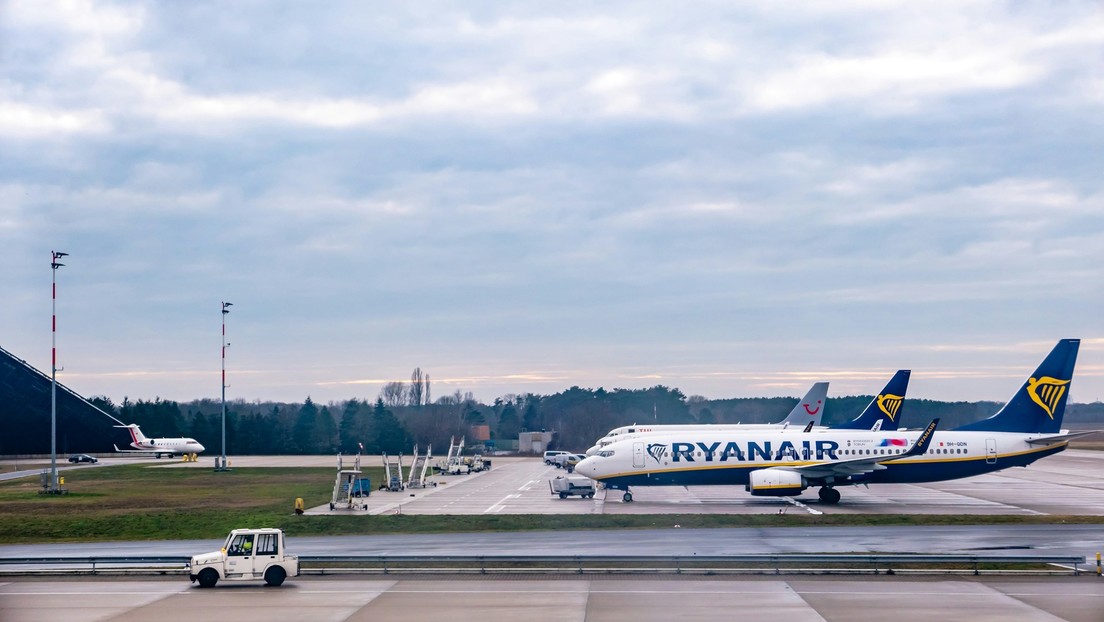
550,455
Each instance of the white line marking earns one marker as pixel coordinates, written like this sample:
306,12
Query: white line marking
801,505
498,505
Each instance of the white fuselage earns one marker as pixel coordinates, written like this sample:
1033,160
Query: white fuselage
727,457
175,446
639,431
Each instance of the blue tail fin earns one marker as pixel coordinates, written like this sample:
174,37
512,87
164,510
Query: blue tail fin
885,407
1040,403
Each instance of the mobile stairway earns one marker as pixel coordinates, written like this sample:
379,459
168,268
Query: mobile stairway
393,480
418,469
347,492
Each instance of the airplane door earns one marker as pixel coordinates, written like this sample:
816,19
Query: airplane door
990,451
638,455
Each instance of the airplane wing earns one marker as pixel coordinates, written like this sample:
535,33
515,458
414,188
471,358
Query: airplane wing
1060,438
147,452
858,466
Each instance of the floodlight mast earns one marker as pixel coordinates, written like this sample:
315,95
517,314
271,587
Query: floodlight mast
225,311
54,265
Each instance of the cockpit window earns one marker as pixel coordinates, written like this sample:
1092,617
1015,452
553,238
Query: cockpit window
605,454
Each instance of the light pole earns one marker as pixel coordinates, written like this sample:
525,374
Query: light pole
225,311
54,265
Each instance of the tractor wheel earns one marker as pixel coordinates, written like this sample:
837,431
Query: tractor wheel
275,575
208,577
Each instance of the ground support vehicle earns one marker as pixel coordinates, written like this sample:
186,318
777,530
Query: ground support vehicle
451,463
392,480
568,485
551,454
346,486
247,554
418,469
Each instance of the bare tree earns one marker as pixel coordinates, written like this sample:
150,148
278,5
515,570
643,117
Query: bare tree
393,394
417,387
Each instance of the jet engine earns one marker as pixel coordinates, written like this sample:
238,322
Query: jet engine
775,483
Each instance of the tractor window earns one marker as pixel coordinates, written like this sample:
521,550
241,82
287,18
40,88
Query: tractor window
266,543
241,545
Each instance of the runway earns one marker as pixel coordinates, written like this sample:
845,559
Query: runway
460,599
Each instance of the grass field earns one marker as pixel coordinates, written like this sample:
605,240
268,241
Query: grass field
135,502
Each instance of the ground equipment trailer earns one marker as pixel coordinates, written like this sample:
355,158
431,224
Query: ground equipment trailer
568,485
247,554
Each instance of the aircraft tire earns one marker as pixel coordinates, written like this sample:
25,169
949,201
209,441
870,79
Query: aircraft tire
627,497
275,576
208,577
829,495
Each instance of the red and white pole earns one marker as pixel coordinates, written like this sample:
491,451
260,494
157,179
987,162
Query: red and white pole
54,265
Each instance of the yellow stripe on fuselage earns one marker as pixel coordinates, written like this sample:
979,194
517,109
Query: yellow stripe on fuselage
913,460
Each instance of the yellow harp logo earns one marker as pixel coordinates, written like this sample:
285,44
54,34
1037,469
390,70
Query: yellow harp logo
890,404
1046,392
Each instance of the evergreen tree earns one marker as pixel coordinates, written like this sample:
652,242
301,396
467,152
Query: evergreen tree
304,430
389,435
352,427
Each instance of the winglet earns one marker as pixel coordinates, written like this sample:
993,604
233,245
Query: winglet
922,441
808,428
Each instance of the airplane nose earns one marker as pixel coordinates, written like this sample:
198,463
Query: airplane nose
201,447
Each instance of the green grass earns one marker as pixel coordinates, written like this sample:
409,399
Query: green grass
136,502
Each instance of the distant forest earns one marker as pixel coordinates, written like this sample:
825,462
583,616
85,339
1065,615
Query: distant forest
401,416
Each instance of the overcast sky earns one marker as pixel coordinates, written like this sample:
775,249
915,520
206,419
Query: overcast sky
733,199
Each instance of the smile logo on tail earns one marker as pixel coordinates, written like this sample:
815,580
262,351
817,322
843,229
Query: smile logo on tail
890,404
1046,392
656,451
812,411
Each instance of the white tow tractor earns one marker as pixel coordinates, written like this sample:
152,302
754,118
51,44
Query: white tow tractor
246,554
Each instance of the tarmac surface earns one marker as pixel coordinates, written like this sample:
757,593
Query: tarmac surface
1068,483
459,599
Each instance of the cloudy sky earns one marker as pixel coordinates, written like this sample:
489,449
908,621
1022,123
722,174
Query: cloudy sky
735,199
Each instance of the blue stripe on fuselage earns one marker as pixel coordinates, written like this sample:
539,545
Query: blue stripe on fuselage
929,469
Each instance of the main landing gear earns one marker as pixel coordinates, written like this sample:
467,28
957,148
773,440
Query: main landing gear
829,495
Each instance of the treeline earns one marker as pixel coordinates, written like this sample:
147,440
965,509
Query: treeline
395,422
578,416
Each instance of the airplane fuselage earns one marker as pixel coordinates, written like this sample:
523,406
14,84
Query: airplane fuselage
727,458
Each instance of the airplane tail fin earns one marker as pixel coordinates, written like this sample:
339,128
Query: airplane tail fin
135,433
810,408
885,408
1040,404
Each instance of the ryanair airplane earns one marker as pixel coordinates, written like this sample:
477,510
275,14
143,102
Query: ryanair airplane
786,462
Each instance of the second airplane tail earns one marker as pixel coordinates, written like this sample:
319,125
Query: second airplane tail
885,409
811,407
